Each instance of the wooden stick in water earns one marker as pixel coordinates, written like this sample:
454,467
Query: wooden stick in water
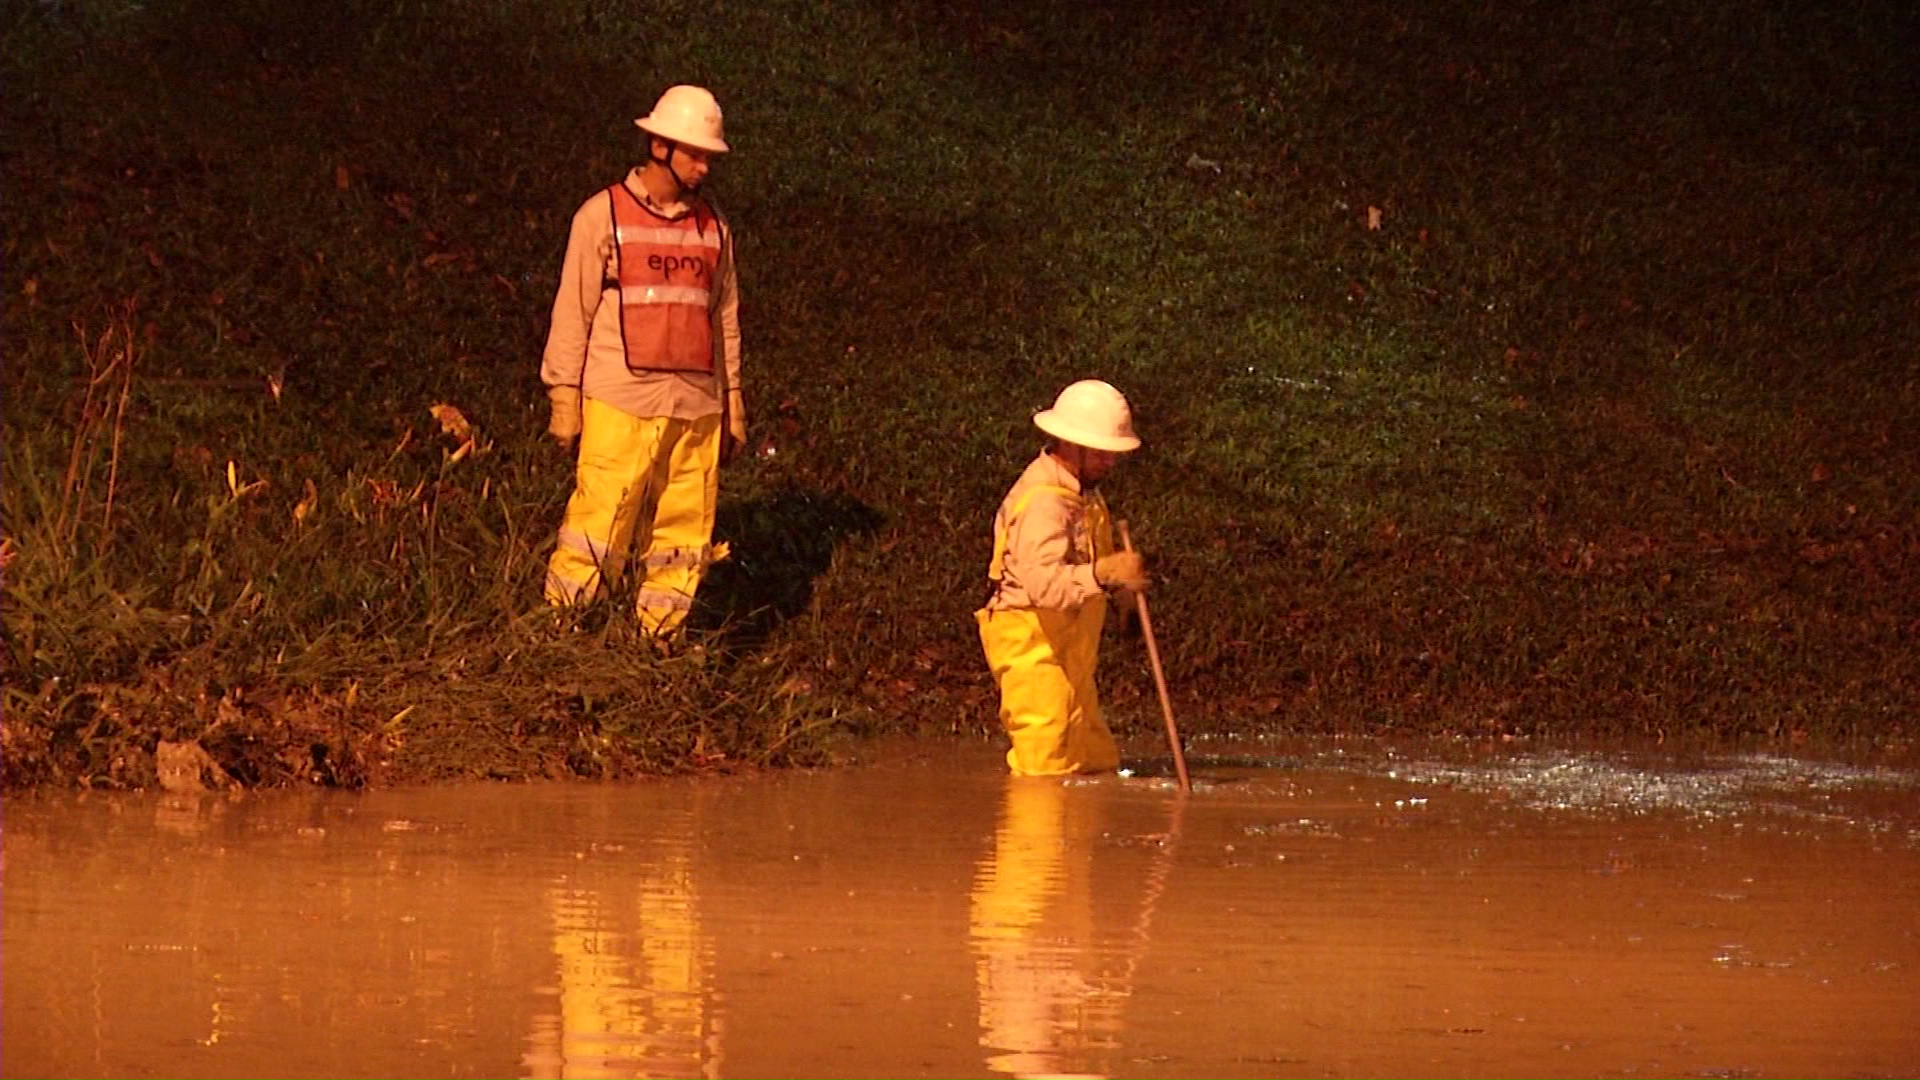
1159,677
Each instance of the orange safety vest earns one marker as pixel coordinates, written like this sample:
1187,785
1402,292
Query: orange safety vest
665,268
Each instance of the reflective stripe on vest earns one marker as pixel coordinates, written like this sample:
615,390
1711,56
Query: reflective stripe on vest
665,269
1097,531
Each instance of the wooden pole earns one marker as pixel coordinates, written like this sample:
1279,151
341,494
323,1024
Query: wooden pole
1159,677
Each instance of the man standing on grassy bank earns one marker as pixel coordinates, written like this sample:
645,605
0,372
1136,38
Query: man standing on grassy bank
1053,561
643,365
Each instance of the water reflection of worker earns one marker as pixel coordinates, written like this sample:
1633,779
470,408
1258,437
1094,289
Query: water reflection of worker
1044,1009
1053,561
635,995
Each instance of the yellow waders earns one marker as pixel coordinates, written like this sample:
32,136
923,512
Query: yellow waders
624,460
1044,661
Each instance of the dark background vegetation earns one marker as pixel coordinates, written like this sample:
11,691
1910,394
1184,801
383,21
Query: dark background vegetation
1606,429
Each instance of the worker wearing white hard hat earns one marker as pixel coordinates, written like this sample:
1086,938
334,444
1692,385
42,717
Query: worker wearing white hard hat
642,364
1052,566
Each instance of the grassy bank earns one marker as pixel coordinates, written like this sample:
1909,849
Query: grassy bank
1503,370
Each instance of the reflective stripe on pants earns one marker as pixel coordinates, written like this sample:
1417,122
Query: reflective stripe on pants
1043,662
625,463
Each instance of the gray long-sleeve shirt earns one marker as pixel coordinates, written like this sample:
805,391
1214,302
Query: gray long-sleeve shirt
1050,547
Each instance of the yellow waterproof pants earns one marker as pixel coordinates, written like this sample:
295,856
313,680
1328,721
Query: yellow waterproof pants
625,463
1043,662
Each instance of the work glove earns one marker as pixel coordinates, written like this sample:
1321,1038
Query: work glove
564,425
1123,570
734,439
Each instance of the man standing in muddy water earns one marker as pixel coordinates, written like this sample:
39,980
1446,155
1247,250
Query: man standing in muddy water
642,365
1053,562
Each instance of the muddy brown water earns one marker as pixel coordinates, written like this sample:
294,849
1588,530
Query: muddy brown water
1335,911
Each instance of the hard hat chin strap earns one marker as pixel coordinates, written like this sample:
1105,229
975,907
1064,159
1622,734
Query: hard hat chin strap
673,146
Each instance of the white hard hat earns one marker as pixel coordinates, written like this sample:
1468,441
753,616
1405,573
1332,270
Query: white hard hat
1090,413
687,115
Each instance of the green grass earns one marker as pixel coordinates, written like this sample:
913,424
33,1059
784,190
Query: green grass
1607,430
